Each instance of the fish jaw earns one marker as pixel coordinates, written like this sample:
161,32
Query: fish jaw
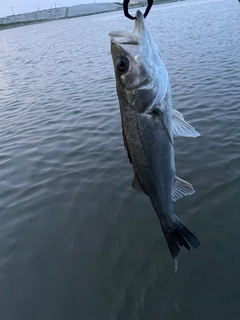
137,36
145,82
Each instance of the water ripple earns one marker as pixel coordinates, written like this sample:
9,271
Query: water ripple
76,240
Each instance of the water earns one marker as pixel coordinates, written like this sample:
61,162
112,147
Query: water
76,241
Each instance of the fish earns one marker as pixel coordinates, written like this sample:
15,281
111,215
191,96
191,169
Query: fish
148,126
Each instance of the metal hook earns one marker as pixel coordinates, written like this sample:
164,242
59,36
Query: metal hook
125,9
150,3
129,16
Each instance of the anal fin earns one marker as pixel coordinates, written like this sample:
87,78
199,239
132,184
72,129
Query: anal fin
182,188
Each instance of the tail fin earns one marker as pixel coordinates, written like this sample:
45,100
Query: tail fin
179,235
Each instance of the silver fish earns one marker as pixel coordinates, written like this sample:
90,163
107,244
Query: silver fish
148,125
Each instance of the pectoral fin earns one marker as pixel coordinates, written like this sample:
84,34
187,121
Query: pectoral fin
182,128
182,188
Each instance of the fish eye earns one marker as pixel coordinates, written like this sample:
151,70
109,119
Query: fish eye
122,64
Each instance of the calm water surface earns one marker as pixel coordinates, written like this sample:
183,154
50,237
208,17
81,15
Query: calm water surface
76,241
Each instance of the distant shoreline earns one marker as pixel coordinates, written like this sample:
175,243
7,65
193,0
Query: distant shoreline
4,26
22,24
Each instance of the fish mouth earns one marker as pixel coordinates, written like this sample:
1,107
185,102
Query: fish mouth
130,38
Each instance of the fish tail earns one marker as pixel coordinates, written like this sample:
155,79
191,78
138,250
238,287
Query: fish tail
177,236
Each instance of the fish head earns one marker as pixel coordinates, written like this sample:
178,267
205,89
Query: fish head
141,76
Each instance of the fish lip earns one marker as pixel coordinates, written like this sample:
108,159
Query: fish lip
129,38
130,41
124,49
